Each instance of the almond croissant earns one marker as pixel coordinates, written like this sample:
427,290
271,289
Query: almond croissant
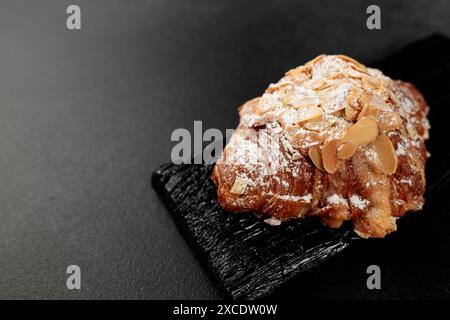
332,139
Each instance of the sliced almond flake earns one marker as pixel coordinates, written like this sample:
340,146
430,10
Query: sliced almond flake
309,113
316,157
350,113
329,156
334,75
372,82
393,98
307,103
304,139
368,110
301,70
316,125
298,101
346,150
386,154
378,102
362,69
355,75
321,84
297,116
282,85
239,186
301,95
321,125
390,121
315,60
353,97
374,101
353,61
363,132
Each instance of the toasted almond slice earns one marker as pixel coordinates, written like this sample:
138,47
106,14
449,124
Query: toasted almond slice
350,113
353,61
357,76
302,70
386,154
295,72
329,156
309,113
372,82
239,186
333,75
390,121
346,150
374,101
306,102
378,102
279,86
321,84
316,158
295,117
369,105
331,108
364,99
300,137
297,100
361,69
316,59
353,98
393,97
363,132
368,110
316,125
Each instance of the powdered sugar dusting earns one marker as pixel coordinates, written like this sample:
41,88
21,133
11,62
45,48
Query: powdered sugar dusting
337,199
359,202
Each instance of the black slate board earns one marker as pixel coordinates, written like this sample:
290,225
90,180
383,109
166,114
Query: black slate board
248,259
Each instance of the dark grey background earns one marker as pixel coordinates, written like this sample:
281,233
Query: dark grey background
86,116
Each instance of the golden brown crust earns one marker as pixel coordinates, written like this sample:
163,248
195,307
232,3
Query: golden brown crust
332,139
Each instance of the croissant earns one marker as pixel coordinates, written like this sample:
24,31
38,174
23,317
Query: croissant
332,139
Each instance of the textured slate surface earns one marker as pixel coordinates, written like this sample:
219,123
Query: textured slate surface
246,257
249,259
